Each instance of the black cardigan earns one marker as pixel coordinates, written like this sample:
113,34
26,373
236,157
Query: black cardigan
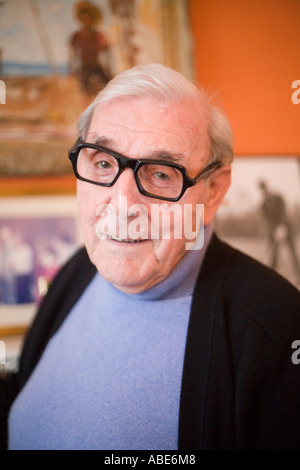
240,388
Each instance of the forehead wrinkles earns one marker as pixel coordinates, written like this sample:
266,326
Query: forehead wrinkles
155,121
182,126
127,113
136,129
110,135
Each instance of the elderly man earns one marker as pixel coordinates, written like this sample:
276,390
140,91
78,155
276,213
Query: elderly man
156,338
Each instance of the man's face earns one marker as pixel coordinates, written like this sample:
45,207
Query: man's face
141,128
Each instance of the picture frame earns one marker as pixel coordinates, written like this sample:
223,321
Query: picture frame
260,214
38,233
45,74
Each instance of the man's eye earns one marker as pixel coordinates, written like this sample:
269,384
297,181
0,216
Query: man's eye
161,176
103,165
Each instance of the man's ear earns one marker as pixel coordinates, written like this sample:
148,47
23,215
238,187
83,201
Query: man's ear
216,188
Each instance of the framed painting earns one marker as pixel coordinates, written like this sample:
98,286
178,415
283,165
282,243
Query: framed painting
37,235
261,212
55,56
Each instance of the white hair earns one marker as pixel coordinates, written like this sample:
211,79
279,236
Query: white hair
167,85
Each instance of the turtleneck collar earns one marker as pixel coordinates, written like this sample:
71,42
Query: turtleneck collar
182,279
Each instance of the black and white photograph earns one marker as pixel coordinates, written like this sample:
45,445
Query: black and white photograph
261,212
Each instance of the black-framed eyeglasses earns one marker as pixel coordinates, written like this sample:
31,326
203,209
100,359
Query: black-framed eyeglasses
159,179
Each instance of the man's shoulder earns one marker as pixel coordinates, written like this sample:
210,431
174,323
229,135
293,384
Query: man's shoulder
64,291
254,274
237,262
76,267
249,287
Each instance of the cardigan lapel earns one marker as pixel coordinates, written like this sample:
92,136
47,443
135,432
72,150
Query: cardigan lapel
199,342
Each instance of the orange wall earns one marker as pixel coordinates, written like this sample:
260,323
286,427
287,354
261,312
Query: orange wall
249,52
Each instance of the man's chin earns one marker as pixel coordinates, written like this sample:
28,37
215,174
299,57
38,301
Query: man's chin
131,267
126,283
127,273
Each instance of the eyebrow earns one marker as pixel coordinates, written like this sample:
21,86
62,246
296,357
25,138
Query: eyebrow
168,156
155,154
101,140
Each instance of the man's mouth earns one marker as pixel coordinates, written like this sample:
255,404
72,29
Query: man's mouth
126,240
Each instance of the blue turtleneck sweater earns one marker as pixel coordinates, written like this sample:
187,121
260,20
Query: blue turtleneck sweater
110,378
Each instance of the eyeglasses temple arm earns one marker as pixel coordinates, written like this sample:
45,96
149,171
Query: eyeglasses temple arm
207,170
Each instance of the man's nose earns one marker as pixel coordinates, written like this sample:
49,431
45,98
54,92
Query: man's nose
126,186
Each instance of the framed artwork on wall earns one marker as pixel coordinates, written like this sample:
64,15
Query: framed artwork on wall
55,56
37,235
261,212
